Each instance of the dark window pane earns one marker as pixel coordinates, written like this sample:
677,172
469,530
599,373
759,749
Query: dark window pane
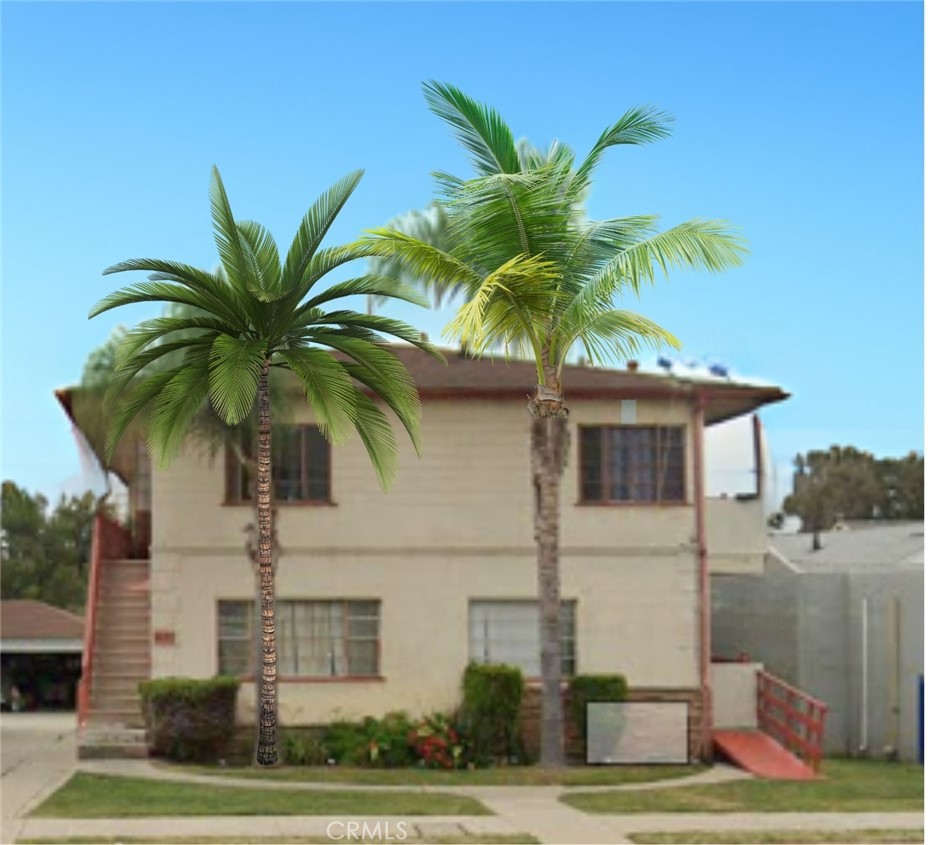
286,463
362,657
318,455
632,463
591,457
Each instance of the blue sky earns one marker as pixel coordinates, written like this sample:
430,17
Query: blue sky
802,123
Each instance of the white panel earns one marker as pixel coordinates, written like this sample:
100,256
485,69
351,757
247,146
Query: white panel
637,732
629,412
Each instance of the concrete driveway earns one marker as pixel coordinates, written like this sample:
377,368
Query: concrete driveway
37,753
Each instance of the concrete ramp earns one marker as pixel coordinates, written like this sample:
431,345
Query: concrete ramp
761,755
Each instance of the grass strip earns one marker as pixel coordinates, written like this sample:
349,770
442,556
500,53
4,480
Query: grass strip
848,786
881,836
90,796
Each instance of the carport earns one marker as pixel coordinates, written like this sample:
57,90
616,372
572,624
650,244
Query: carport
40,655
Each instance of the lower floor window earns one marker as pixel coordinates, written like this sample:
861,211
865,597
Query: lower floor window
314,638
508,632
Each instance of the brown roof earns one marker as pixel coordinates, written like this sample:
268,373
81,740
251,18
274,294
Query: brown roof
493,378
465,377
24,619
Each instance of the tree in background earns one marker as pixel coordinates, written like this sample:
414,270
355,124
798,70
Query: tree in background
539,277
428,225
846,483
44,554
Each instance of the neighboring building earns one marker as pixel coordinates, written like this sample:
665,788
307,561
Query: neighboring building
845,624
40,655
383,599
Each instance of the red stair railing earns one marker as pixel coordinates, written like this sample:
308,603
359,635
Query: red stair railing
793,718
110,541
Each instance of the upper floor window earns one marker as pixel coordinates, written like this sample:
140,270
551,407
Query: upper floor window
300,467
632,463
508,632
315,639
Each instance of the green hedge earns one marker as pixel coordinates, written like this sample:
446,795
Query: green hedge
490,711
189,719
587,688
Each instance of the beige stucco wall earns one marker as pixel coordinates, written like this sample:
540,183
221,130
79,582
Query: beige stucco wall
736,536
635,615
456,526
475,459
734,694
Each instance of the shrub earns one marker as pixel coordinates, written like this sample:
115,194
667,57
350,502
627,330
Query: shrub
587,688
371,742
490,712
345,742
301,748
189,719
437,743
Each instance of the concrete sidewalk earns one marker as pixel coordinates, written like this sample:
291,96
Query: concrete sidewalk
518,809
550,821
38,755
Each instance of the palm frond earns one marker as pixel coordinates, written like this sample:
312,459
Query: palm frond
234,370
612,335
324,320
377,435
697,245
328,389
226,234
639,125
436,267
262,261
313,228
156,292
158,356
478,127
371,285
514,301
123,409
178,404
163,330
399,392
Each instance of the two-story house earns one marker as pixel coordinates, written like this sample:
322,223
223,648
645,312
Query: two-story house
383,599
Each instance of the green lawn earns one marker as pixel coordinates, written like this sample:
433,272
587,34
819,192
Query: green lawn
499,776
469,839
780,837
849,785
91,796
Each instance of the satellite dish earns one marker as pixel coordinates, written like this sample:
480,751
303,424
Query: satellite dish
665,363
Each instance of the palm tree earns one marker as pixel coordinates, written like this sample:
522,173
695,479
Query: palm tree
429,225
260,314
538,276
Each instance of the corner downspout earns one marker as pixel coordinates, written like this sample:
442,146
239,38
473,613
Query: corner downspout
758,457
705,596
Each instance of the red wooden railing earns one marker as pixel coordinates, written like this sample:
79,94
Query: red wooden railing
110,542
793,718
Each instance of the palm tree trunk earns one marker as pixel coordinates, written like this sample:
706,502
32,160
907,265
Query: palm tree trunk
549,452
267,714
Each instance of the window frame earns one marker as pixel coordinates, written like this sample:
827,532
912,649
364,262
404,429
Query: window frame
346,639
605,467
571,636
234,477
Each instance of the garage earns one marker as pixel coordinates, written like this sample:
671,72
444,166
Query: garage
40,656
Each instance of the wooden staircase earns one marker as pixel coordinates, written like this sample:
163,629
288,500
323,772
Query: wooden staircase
112,724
